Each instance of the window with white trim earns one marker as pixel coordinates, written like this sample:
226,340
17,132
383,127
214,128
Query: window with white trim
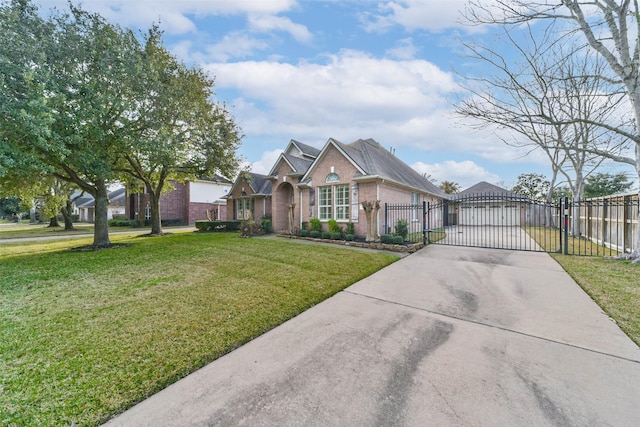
243,206
342,203
324,202
415,201
333,202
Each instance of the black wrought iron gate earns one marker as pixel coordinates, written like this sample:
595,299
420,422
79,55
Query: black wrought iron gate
589,227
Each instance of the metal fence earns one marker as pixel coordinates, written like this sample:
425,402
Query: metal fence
599,227
406,220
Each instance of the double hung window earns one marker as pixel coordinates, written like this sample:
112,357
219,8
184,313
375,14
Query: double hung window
333,202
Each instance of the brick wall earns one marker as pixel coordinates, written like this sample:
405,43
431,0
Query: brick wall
198,211
175,205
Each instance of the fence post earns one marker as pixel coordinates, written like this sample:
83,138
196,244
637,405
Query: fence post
386,218
566,226
424,223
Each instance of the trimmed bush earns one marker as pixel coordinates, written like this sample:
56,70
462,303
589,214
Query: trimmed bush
402,228
349,237
314,233
398,240
218,225
326,235
386,238
315,224
333,226
122,223
336,236
351,228
304,233
267,228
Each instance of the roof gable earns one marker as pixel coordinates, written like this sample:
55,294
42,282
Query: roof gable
258,183
342,149
484,189
300,150
372,160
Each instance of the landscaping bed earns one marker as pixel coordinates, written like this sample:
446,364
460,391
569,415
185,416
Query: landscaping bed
403,248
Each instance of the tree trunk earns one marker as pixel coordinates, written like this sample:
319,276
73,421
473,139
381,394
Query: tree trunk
53,222
66,214
156,221
101,226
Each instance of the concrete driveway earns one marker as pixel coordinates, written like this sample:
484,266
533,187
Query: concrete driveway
446,336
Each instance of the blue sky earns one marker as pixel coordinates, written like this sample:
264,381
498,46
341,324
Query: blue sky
313,69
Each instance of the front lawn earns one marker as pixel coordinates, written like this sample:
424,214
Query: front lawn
24,230
85,335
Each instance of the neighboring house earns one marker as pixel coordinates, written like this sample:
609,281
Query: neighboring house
250,197
186,203
332,183
85,206
487,204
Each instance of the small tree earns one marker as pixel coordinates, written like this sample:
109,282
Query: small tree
371,209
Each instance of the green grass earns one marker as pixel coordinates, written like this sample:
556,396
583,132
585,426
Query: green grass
26,230
85,335
613,284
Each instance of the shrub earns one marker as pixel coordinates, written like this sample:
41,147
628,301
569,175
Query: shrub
170,222
387,238
336,236
315,224
314,233
349,237
326,235
398,240
305,225
333,226
351,228
218,225
304,233
266,225
122,223
402,228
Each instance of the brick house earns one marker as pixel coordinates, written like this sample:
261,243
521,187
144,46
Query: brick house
253,192
250,196
187,203
332,183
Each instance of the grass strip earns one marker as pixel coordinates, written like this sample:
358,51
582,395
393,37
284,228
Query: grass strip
85,335
613,284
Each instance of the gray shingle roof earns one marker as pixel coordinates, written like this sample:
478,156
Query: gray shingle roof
375,160
485,191
299,165
260,184
306,149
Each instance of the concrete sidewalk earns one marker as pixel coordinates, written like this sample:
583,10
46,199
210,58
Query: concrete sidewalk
446,336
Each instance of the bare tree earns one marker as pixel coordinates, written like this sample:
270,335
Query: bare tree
550,97
610,28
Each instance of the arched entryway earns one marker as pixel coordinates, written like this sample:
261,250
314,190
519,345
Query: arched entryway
282,214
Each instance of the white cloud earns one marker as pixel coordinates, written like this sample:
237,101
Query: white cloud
174,14
351,95
268,23
465,173
235,45
404,50
432,15
266,162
